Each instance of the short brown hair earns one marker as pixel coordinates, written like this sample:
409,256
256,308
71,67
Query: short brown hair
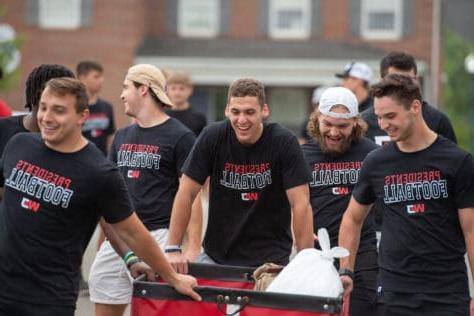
247,87
70,86
400,87
86,66
358,132
398,60
179,77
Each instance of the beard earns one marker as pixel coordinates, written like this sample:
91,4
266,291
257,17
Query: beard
342,148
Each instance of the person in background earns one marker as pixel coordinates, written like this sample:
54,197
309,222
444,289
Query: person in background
179,88
356,77
100,126
403,63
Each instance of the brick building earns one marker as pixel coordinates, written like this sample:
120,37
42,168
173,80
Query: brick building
291,45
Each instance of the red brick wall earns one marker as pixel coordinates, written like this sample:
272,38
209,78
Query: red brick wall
243,18
116,29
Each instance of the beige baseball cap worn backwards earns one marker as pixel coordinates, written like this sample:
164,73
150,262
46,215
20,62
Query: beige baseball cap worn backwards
152,77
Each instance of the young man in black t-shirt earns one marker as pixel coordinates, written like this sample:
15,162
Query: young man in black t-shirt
179,89
33,88
149,155
258,183
57,187
100,126
424,183
405,64
334,155
437,121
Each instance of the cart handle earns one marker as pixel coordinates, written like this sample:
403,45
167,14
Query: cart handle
223,300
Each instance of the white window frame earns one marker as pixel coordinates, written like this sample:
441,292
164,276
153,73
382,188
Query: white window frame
59,14
278,5
187,10
368,6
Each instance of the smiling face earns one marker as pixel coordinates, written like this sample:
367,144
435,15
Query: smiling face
335,134
394,118
58,119
246,115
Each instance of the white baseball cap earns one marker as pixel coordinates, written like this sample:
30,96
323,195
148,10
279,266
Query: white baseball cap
338,96
357,70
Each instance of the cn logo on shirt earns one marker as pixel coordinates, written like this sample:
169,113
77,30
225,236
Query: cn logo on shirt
30,205
249,196
416,208
340,190
133,174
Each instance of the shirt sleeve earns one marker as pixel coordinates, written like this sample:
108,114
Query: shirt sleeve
295,170
363,191
183,147
464,184
114,200
198,165
446,129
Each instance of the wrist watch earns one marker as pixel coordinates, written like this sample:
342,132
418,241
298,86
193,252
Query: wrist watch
349,273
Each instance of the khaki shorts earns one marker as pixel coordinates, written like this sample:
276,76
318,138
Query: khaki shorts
109,279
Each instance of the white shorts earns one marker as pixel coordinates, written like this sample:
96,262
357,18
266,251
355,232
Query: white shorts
109,279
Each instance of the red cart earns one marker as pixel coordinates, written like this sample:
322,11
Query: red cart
226,290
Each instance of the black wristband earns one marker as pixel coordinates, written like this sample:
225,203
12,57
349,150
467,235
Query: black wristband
172,250
349,273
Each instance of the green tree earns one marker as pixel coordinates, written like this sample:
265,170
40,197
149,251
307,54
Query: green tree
457,87
9,48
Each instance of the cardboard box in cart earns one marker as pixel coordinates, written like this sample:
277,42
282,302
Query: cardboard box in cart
226,290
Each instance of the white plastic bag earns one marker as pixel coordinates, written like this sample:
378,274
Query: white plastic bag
312,271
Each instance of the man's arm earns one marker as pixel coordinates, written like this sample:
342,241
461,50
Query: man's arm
180,215
192,247
466,219
136,267
349,237
302,216
134,234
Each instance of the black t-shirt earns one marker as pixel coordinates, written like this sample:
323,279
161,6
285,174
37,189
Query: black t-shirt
100,124
194,120
333,179
50,209
422,247
10,126
366,104
436,120
150,160
304,130
249,212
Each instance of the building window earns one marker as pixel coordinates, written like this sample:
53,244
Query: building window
381,20
60,14
198,18
290,19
